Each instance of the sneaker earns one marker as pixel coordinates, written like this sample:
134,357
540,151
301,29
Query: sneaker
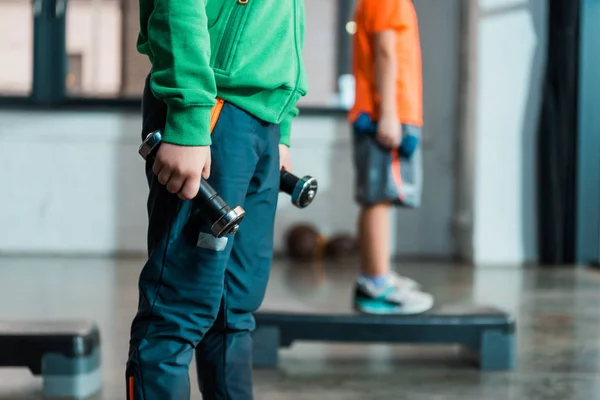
390,299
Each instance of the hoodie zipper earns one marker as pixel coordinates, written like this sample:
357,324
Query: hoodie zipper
231,32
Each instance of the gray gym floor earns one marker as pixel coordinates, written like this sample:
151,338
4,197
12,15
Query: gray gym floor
557,312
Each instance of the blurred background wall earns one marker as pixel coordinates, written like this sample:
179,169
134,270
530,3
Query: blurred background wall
77,185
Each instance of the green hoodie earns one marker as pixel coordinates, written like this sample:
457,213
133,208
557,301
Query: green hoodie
247,52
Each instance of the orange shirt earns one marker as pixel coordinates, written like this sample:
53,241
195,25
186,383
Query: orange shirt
374,16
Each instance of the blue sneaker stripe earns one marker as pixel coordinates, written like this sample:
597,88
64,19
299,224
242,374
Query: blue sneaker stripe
388,291
373,304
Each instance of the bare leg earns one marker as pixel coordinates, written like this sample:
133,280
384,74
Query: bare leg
378,290
374,239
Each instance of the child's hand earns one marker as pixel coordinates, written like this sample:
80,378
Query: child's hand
389,132
180,168
285,161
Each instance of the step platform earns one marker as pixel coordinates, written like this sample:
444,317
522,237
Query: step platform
66,354
486,334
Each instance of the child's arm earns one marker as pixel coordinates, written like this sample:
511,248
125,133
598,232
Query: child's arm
181,75
386,60
179,47
385,71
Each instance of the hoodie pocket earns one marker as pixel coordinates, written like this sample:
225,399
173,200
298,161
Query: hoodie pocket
231,34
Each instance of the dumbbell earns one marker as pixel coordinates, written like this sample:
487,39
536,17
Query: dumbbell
301,190
365,125
224,219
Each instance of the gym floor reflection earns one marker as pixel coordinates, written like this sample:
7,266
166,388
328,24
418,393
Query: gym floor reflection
557,312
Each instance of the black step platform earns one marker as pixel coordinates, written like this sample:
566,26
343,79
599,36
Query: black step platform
65,353
485,333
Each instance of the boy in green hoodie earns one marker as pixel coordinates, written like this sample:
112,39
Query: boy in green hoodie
238,64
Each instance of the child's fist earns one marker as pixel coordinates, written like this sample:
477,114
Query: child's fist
389,132
181,168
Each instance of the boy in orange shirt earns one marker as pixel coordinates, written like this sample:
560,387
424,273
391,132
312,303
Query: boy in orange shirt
387,118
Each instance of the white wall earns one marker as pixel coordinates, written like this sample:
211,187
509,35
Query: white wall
510,64
74,183
320,54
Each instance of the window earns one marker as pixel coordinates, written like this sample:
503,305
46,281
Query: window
93,34
75,74
104,34
321,52
16,47
99,37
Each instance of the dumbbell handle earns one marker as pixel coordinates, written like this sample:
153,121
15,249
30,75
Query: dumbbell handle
224,220
207,195
287,182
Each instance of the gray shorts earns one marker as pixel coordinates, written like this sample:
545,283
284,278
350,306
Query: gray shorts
381,175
